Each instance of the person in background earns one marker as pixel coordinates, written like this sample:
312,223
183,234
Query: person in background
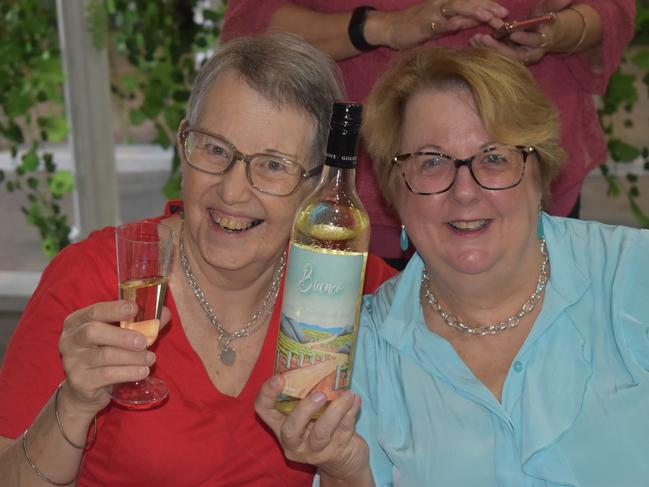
513,350
260,105
571,58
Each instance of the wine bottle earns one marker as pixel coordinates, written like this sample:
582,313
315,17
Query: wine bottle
324,276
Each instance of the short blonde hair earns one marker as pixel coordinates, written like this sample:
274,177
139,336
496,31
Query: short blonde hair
512,107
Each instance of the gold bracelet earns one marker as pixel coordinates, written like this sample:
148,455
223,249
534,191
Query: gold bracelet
58,422
36,470
583,32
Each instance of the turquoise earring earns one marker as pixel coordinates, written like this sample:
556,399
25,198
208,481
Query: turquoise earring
403,239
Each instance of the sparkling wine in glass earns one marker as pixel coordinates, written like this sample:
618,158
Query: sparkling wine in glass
143,257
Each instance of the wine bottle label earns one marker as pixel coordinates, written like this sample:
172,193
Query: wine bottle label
318,321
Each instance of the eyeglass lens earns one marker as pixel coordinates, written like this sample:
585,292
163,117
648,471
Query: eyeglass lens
431,172
266,172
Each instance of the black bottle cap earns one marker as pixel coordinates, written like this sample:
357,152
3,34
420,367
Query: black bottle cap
346,115
342,145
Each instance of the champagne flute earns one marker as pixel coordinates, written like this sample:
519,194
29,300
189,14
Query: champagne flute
143,256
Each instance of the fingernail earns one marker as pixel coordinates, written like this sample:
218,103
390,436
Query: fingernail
128,308
150,358
318,397
143,371
274,381
347,395
139,342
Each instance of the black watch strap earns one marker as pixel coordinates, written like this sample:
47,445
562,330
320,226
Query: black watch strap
356,26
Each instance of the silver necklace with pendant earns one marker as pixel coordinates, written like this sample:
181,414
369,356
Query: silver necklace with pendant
227,354
492,329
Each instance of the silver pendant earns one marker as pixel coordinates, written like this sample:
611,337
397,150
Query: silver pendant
228,356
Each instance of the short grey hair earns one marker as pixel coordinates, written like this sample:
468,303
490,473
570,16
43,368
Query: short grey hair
283,68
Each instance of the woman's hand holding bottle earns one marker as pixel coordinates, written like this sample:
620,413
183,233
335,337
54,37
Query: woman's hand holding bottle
330,442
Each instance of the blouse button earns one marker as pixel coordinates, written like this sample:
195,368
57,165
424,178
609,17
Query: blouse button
518,366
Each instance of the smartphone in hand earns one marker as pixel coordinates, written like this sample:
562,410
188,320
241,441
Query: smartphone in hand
516,25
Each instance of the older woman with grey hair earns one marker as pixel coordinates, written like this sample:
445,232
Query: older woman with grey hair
259,107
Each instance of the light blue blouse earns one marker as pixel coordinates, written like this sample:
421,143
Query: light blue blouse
575,403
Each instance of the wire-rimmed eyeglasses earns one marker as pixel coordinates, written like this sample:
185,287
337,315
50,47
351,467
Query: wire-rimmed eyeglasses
268,173
496,168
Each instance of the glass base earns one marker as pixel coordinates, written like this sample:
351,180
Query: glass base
143,394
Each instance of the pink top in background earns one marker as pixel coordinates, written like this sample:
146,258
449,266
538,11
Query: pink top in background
569,81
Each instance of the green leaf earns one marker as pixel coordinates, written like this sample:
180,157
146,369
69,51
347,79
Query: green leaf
2,175
17,103
153,103
50,246
173,116
620,90
621,151
137,117
34,214
130,83
641,59
13,132
32,182
61,183
212,15
161,137
50,165
55,127
613,188
181,96
50,71
30,161
638,214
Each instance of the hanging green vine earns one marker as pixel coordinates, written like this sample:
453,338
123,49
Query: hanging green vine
162,41
32,114
621,96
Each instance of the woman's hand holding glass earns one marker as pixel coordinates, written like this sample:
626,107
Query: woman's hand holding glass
96,354
329,442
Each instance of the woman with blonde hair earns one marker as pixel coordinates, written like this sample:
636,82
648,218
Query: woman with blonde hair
514,348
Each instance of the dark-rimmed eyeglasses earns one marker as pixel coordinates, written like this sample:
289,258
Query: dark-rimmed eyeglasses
268,173
496,168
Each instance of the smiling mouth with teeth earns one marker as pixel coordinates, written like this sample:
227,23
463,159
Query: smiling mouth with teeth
468,225
230,224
